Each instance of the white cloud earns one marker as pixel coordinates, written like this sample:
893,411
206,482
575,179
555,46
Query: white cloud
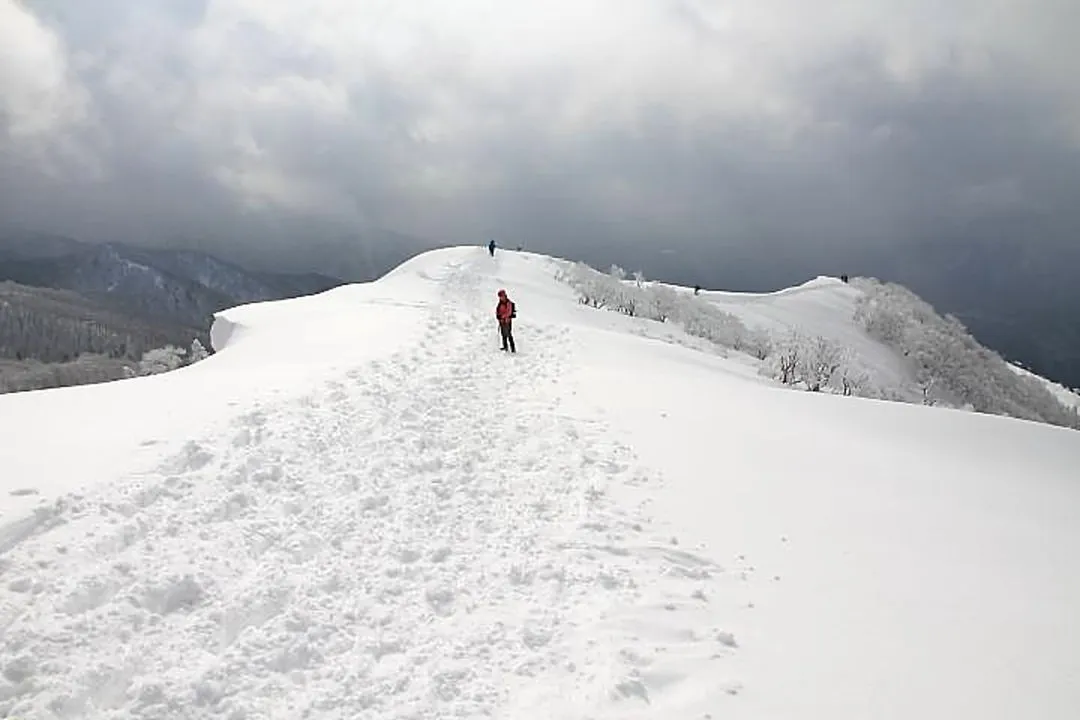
37,94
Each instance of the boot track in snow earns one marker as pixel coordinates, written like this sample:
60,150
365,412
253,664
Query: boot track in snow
429,536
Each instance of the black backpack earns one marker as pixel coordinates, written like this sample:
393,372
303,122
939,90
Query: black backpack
513,309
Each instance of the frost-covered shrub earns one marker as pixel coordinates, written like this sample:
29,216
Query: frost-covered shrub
665,303
816,364
170,357
854,381
706,321
160,360
637,298
949,365
784,365
821,362
197,352
811,363
755,342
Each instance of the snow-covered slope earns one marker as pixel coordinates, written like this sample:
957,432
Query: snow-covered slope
359,507
822,307
1067,397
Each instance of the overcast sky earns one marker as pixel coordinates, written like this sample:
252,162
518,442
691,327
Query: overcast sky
759,126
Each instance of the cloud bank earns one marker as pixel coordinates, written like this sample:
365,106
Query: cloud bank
772,129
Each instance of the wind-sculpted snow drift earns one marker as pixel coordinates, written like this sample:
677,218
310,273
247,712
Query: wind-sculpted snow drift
360,508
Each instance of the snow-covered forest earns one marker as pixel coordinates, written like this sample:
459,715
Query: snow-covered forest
32,374
57,326
54,338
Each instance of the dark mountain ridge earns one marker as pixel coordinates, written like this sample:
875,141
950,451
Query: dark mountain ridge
172,286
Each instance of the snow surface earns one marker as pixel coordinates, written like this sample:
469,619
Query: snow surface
360,508
823,307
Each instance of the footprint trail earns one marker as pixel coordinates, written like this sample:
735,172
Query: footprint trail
429,536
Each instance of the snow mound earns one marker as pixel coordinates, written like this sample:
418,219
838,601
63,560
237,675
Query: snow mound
359,508
823,307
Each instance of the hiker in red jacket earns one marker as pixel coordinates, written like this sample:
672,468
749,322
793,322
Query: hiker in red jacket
505,312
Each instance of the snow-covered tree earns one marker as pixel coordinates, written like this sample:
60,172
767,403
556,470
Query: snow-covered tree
821,361
160,360
854,381
197,352
638,298
665,303
755,342
786,362
950,367
815,363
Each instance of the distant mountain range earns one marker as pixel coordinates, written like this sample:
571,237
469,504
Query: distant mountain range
61,299
174,286
50,325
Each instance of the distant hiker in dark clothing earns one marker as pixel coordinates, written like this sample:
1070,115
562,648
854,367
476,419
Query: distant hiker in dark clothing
697,289
505,312
491,248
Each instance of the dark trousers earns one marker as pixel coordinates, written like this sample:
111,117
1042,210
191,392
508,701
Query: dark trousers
507,336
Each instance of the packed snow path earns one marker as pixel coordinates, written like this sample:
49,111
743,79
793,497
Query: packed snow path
429,536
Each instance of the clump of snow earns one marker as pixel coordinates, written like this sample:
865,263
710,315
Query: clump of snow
360,507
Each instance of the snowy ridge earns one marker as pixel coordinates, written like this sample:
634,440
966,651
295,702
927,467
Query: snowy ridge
420,535
867,338
1067,397
360,508
822,307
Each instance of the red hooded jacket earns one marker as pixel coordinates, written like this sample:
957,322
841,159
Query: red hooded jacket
504,311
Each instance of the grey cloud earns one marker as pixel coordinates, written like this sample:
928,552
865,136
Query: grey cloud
254,134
